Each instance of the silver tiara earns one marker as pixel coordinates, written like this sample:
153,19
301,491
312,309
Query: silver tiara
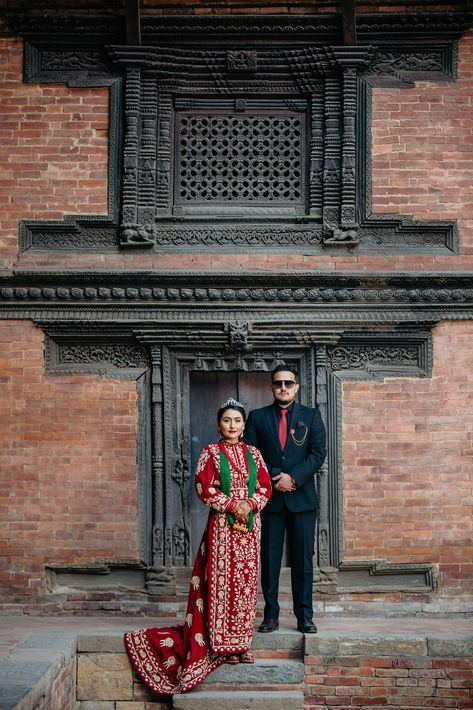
231,403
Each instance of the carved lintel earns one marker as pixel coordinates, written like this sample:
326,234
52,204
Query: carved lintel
363,358
130,56
75,356
238,332
318,337
137,235
342,236
356,56
365,575
243,61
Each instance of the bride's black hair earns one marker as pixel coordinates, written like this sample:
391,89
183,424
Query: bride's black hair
224,408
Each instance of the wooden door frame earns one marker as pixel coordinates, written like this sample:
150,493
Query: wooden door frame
170,426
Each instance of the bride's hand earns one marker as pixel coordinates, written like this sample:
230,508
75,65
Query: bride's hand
242,511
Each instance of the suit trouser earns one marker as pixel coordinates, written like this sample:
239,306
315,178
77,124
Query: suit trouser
300,537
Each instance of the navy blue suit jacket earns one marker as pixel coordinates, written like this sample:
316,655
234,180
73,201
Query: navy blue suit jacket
301,461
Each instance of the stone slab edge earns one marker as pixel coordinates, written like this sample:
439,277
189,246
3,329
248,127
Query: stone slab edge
388,644
263,671
32,666
100,643
113,642
241,699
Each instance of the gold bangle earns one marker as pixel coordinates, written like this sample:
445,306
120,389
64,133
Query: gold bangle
239,527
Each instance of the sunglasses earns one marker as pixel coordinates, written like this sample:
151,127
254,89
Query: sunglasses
279,384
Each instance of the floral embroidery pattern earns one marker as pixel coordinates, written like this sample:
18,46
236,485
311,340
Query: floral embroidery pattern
166,642
233,563
222,596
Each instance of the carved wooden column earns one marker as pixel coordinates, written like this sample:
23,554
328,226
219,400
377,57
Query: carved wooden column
328,534
325,570
158,454
147,154
176,465
351,60
331,174
340,198
129,218
322,488
316,152
163,163
139,147
348,205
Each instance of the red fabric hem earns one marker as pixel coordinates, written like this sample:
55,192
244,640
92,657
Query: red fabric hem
156,679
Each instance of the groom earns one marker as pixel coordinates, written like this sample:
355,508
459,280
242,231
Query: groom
291,438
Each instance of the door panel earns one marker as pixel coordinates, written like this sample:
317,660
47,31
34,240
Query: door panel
207,392
254,389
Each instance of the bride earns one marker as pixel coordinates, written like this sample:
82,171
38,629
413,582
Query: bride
232,479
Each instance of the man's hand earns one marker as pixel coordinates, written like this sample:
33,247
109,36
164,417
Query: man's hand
242,511
284,483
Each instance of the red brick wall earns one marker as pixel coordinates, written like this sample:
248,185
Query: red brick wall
53,150
68,465
53,142
423,151
405,441
68,459
387,682
408,464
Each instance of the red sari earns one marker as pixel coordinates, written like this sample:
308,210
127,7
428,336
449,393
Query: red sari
221,606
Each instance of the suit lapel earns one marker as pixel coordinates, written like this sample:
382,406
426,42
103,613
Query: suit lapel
292,424
296,416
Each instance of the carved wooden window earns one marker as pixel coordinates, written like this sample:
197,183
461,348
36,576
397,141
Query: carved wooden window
189,112
240,159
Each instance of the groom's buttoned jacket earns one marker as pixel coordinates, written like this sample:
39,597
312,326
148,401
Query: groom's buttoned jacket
303,454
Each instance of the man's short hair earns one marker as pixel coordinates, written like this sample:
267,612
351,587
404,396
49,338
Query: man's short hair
284,368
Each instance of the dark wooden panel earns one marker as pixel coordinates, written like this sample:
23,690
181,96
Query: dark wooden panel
133,29
349,22
207,391
254,389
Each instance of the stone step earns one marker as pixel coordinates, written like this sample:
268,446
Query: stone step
282,641
28,674
40,671
239,700
263,672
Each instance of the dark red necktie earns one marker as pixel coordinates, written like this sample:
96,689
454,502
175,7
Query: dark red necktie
282,431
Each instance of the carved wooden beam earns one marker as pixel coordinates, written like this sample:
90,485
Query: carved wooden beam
348,22
133,28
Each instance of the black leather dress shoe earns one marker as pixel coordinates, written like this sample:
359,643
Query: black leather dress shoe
268,625
307,626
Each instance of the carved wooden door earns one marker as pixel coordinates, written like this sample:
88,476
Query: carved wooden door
207,392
